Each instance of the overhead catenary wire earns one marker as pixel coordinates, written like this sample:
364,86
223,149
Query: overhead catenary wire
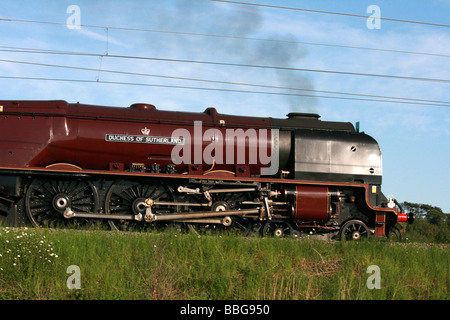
418,102
333,12
184,33
58,52
99,70
265,86
246,66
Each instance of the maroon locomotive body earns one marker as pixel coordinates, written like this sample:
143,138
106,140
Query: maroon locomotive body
140,166
93,137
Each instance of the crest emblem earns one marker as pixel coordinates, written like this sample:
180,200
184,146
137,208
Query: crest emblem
145,131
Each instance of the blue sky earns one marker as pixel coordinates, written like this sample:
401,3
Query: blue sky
414,138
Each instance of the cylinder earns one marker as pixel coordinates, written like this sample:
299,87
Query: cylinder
310,203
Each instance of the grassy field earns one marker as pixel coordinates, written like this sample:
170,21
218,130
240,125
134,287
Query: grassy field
34,265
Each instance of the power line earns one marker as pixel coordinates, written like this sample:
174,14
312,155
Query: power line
378,98
244,65
222,90
235,37
333,12
214,81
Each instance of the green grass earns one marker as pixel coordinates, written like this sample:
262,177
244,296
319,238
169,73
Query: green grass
174,265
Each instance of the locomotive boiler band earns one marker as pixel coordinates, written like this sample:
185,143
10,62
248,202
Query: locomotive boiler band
65,164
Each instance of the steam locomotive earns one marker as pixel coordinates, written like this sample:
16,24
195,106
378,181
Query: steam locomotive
64,164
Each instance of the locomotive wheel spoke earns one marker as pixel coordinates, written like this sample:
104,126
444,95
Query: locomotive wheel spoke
126,197
277,229
46,200
354,230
